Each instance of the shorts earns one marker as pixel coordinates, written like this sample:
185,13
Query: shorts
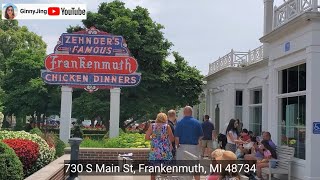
207,143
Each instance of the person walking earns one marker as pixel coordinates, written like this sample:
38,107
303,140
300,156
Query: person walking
188,134
208,135
172,119
161,137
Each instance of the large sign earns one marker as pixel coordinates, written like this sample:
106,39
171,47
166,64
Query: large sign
91,64
92,60
92,42
84,44
113,80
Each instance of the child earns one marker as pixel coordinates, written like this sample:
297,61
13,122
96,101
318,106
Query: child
245,135
244,145
224,158
268,154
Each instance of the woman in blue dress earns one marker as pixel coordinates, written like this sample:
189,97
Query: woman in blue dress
161,137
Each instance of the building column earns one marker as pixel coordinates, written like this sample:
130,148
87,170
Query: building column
200,109
230,99
245,110
207,97
211,112
273,104
268,16
312,113
65,113
265,106
267,24
114,112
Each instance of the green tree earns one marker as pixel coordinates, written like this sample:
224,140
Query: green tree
157,90
26,93
22,56
91,106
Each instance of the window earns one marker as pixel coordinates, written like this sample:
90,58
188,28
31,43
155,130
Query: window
292,114
255,124
256,96
239,100
255,110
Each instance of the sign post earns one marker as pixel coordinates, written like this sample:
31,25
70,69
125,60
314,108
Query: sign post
91,60
114,112
65,113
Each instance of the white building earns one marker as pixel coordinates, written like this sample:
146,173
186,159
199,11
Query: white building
275,87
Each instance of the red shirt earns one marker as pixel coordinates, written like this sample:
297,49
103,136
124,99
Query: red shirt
245,138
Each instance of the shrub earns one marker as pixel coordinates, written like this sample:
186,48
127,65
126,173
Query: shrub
60,145
125,140
94,136
10,165
36,131
93,143
91,131
46,154
26,150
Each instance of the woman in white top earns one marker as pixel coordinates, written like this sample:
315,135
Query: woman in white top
232,136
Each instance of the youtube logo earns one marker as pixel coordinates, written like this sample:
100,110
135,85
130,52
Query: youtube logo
53,11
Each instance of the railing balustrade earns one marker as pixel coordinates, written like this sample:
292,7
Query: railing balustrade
291,9
236,59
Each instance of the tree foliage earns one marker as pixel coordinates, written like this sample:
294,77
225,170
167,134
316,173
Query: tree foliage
91,105
164,84
22,56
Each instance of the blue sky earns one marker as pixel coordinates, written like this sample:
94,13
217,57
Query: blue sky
201,31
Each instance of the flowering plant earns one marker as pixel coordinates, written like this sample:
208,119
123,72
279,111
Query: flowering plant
288,141
46,154
26,150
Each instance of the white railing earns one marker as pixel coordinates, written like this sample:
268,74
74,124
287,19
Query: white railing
236,59
291,9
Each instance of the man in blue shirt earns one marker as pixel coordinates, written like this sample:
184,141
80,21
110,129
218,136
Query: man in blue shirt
208,136
259,152
188,133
